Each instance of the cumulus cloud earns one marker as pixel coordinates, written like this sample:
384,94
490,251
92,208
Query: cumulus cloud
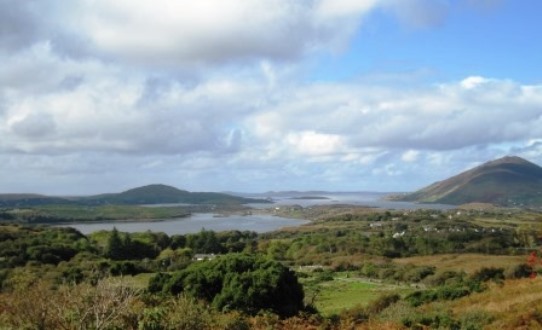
209,31
315,144
117,112
163,90
444,117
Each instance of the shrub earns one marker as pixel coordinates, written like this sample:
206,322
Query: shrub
519,271
488,273
382,303
239,282
158,282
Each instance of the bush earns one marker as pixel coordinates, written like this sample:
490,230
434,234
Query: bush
519,271
239,282
488,273
382,303
418,298
158,282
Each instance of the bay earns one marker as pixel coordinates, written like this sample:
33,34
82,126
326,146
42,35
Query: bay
195,223
255,222
369,199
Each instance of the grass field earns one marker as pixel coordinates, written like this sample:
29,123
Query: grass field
343,293
468,263
515,304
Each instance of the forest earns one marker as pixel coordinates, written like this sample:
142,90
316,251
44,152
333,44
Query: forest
350,268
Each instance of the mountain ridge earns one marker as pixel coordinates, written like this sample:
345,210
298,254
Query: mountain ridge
507,181
149,194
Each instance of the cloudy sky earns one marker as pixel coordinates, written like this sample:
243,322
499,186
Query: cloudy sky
257,95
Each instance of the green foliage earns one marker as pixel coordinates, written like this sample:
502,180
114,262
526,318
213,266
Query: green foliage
446,292
124,248
434,320
19,245
115,246
207,241
239,282
453,285
158,282
488,273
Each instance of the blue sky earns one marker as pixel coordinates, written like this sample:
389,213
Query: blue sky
252,95
500,41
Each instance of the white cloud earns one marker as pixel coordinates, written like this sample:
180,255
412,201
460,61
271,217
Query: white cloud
410,156
315,144
180,32
473,82
216,91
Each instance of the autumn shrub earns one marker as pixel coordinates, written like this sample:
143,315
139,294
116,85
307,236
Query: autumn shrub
519,271
38,305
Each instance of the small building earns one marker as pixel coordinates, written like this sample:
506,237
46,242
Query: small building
203,256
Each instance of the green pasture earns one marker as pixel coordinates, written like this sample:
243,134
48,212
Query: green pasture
343,293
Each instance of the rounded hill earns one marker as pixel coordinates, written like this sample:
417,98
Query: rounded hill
508,181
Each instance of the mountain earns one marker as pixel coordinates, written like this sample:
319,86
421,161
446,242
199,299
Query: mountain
162,194
151,194
16,200
508,181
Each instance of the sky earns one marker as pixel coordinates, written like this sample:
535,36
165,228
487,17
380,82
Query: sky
259,95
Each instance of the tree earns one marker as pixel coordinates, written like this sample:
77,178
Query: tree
239,282
115,246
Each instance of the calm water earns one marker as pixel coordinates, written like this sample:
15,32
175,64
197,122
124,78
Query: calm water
257,223
194,224
354,198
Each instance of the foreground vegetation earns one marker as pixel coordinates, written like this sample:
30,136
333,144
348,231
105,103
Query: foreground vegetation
351,268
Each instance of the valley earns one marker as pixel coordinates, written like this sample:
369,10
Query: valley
339,261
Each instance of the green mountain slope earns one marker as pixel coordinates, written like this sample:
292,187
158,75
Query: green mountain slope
18,200
162,194
508,181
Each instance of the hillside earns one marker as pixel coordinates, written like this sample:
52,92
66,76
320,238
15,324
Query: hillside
162,194
151,194
508,181
17,200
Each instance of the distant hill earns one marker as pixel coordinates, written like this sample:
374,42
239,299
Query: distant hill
151,194
18,200
508,181
162,194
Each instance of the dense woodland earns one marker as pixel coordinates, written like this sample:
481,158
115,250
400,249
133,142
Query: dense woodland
58,278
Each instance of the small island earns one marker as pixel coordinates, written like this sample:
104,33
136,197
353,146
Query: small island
310,197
